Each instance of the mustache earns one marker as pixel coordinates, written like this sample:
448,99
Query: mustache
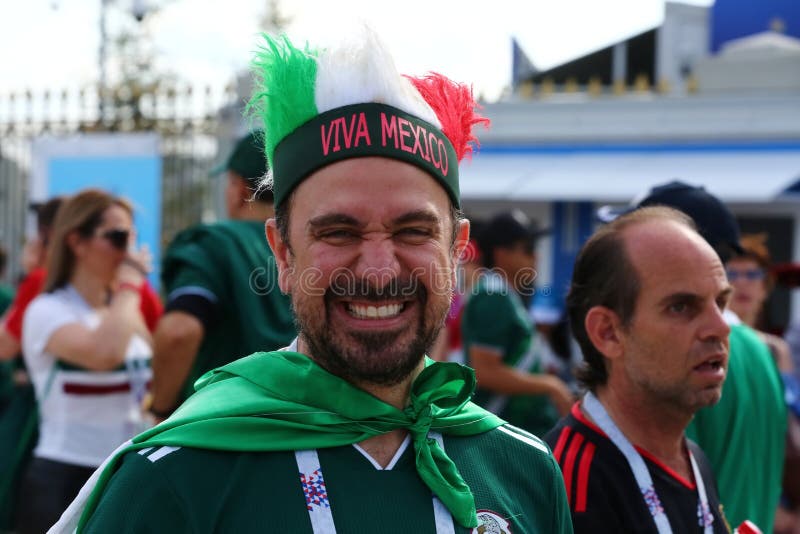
374,291
713,348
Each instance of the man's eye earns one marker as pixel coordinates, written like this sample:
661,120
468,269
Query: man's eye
678,307
337,235
414,232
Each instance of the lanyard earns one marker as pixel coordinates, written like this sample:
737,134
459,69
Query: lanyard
598,412
319,507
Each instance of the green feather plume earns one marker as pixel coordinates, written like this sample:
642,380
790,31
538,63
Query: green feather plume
285,81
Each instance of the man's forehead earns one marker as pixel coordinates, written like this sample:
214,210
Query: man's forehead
364,187
670,256
658,239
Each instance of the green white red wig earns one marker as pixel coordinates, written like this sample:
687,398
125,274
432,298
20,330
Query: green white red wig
322,105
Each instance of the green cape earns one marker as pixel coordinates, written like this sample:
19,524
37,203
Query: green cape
277,401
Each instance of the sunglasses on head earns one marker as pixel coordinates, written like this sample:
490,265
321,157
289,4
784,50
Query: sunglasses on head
117,238
748,274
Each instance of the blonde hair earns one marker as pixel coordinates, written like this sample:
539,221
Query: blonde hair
81,213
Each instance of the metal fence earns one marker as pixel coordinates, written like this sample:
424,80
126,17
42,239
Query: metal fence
193,132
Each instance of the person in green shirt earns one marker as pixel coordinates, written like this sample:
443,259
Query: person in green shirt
351,429
500,341
221,285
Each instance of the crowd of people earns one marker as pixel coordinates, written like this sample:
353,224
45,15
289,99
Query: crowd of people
348,352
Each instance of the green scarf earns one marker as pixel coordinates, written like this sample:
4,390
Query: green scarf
277,401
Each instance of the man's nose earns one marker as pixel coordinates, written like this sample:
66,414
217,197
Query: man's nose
378,256
715,327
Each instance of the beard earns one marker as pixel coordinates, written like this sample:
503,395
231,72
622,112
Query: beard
675,392
383,358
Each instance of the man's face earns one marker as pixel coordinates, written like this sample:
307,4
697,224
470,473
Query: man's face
676,345
370,267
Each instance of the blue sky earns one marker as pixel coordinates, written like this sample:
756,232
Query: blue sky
54,43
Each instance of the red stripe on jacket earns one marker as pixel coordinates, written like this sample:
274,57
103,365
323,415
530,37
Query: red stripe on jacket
569,463
562,440
583,477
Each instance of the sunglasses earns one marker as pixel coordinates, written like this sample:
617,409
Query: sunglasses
749,274
117,238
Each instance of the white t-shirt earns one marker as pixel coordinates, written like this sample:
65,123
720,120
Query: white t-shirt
84,414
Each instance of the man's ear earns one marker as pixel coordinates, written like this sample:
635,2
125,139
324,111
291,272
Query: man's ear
282,254
604,330
461,242
462,238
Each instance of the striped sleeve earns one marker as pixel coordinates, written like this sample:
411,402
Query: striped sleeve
589,495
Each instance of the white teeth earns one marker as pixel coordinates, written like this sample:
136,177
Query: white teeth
373,312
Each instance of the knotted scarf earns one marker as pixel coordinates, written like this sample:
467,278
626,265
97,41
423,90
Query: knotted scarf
277,401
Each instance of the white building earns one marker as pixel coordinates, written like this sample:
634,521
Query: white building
729,122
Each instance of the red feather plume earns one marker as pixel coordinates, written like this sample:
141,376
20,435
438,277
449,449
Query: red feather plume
455,107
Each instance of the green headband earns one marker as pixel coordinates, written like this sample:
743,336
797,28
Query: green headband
361,130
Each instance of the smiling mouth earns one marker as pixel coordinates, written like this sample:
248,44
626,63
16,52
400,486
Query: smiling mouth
364,311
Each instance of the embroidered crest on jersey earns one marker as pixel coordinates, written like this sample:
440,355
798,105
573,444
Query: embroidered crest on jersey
491,523
314,490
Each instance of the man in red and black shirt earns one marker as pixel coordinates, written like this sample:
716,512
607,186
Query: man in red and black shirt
645,305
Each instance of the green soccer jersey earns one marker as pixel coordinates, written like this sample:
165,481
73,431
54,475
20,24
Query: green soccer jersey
516,483
744,434
231,264
495,318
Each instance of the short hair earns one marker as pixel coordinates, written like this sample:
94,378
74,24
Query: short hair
605,276
81,213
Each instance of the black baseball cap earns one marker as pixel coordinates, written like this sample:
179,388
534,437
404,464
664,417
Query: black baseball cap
507,228
247,158
714,220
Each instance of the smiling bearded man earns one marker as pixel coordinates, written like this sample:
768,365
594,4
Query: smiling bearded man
350,429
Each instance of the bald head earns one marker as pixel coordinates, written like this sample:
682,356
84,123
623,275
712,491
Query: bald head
668,248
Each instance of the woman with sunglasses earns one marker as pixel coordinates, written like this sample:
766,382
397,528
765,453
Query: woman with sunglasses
87,348
750,275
